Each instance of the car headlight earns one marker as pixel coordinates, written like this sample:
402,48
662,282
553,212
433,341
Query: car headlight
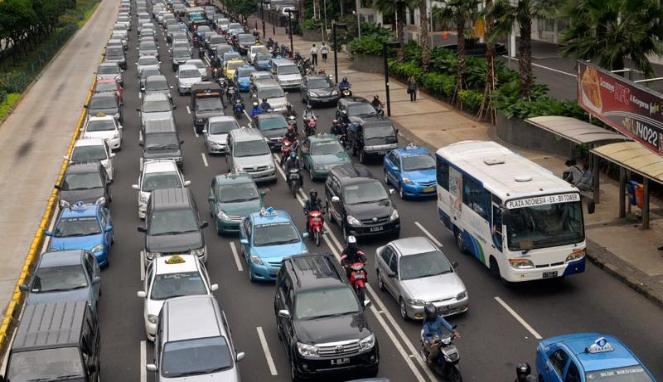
334,92
307,350
200,252
152,318
407,181
151,255
521,263
367,343
394,215
352,220
412,301
101,200
143,196
577,254
256,260
461,295
97,248
222,215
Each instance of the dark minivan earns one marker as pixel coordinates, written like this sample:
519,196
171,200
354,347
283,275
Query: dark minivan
161,141
372,138
85,183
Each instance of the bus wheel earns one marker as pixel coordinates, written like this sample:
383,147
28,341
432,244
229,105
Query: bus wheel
458,235
494,268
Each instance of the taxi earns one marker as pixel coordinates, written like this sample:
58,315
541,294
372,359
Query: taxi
266,238
168,277
83,226
243,77
232,197
229,67
411,170
588,357
105,127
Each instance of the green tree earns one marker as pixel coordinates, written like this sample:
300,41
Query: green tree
16,19
609,32
424,37
487,108
396,7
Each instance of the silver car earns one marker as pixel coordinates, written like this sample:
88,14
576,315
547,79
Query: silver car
155,106
249,153
415,272
216,133
187,75
145,62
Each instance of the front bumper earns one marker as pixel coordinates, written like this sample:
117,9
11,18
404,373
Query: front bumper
216,148
102,258
244,86
314,368
415,190
264,272
115,143
446,307
556,271
365,230
291,84
229,226
264,176
324,100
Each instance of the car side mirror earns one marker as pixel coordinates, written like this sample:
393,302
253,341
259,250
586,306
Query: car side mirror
335,199
367,302
187,183
203,224
151,367
305,235
48,233
135,187
85,106
108,228
455,264
240,356
137,109
112,155
24,287
181,141
141,294
57,187
591,207
141,228
214,287
140,143
244,241
174,107
391,191
284,313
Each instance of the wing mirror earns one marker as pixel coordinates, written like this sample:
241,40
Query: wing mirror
135,187
284,313
240,356
24,287
141,228
214,287
203,224
151,367
141,294
335,199
187,183
244,241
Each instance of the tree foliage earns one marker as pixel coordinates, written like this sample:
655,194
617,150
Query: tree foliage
24,22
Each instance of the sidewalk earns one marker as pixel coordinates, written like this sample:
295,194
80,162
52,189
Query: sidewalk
611,240
35,136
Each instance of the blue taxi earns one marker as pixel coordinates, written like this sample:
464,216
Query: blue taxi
267,237
411,170
588,357
243,77
83,226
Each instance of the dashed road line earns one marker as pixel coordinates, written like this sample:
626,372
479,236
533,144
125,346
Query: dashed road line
142,265
430,235
143,361
519,318
238,262
265,349
204,159
188,110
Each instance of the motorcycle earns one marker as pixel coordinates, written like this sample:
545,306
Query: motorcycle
294,180
358,278
315,226
310,125
238,109
292,121
230,92
346,92
446,364
286,147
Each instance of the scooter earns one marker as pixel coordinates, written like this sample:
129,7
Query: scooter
286,147
358,279
238,109
315,226
292,121
446,364
346,92
294,181
230,92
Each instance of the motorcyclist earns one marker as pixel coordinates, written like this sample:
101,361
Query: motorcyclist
265,106
309,114
351,254
238,108
344,84
291,134
434,326
377,104
293,163
524,373
257,110
312,204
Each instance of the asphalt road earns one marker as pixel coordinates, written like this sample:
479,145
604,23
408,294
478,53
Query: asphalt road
500,329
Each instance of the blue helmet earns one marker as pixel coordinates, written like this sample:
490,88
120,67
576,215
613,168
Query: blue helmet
293,154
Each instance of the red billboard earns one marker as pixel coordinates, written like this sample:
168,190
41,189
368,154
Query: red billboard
629,108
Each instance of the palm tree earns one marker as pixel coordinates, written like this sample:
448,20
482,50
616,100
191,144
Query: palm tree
486,104
396,7
460,13
611,31
424,39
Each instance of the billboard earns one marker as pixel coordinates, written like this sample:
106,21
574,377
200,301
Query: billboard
627,107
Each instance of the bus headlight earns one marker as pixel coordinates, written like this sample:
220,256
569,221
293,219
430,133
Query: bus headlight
576,254
521,263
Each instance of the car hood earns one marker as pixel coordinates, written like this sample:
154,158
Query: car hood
180,242
108,76
81,294
140,68
369,210
85,196
180,60
230,375
189,81
321,92
423,176
289,77
100,134
330,159
361,120
77,242
332,329
254,161
275,133
277,102
278,252
157,115
210,113
107,111
170,153
166,92
434,288
217,138
241,208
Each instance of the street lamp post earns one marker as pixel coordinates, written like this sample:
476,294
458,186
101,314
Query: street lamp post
334,27
262,16
385,48
292,46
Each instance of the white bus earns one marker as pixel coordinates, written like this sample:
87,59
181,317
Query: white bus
516,217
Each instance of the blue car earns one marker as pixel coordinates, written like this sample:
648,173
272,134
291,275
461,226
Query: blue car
587,357
83,226
263,61
411,170
243,77
267,237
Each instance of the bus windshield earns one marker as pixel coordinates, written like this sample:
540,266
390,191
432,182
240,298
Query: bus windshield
546,225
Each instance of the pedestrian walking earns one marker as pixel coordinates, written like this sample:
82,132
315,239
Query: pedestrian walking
314,55
412,88
324,51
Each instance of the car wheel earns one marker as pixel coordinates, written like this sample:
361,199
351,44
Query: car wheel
401,192
386,179
380,281
402,309
362,157
294,375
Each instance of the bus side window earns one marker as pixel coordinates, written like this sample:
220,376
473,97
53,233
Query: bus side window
442,172
496,227
476,197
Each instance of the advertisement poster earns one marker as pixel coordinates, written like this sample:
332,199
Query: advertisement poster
629,108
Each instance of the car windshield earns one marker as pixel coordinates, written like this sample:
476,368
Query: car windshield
378,131
161,141
156,84
88,153
115,52
423,265
237,192
263,57
543,226
82,181
635,373
148,72
245,72
69,227
102,103
59,278
103,87
273,123
197,63
418,162
182,53
250,148
195,357
223,127
230,55
367,192
108,69
209,104
326,148
361,109
170,222
275,234
287,69
318,84
190,73
271,92
246,39
157,106
148,60
100,125
147,45
170,285
160,180
322,303
234,64
45,365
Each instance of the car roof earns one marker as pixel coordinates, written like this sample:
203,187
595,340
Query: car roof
82,142
377,122
261,74
314,270
152,166
156,77
171,198
187,67
351,170
276,216
222,118
82,168
353,99
413,245
50,325
61,258
411,150
579,343
161,125
80,211
176,264
192,317
234,178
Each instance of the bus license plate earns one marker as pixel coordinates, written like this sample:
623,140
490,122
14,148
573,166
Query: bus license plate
340,361
377,229
549,275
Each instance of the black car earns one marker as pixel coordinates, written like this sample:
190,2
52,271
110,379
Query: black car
85,183
374,137
160,140
273,126
359,203
356,109
476,48
320,320
318,89
244,42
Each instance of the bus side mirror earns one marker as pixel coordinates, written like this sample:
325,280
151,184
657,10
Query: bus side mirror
591,207
506,218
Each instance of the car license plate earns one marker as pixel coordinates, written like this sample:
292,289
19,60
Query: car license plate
340,361
377,229
429,189
549,275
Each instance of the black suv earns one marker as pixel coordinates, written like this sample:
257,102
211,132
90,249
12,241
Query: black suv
320,320
357,109
359,203
372,138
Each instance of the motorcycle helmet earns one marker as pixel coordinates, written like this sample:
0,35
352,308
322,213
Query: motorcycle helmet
238,101
334,121
523,370
430,312
293,155
308,106
313,194
345,79
264,100
255,103
376,98
352,244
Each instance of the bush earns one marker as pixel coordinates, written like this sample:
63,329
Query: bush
439,84
403,70
470,99
311,25
371,41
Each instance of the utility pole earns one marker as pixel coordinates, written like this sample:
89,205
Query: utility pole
334,27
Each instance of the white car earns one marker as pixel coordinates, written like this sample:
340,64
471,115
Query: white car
93,150
105,127
171,276
216,133
187,75
198,63
255,49
145,62
157,174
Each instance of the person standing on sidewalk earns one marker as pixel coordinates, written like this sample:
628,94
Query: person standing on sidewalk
324,51
412,88
314,55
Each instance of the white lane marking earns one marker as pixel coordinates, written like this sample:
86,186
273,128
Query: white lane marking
236,256
247,115
276,158
140,95
143,361
399,347
188,110
142,265
204,159
545,67
265,349
430,235
518,318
